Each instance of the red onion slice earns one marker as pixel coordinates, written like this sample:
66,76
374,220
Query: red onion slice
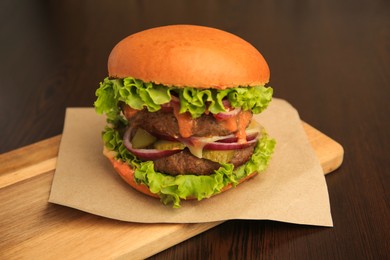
234,139
228,146
165,137
227,114
146,154
229,142
250,135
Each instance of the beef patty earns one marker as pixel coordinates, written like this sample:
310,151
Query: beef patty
165,123
185,163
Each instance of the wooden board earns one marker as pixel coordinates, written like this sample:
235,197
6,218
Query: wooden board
32,228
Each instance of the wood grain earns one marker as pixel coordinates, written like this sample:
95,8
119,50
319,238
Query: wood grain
329,59
33,228
27,162
29,155
325,148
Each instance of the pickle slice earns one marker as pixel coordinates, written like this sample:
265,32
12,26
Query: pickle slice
142,139
168,145
218,156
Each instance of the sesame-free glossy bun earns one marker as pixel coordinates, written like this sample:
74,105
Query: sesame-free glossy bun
188,56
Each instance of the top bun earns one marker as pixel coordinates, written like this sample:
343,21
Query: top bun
188,56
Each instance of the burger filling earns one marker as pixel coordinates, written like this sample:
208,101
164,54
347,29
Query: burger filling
164,130
185,142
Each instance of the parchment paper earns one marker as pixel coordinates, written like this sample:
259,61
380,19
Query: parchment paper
292,189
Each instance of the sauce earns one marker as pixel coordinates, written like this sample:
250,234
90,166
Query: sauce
184,121
237,124
231,123
243,120
129,112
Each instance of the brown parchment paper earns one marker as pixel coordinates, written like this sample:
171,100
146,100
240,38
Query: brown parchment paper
292,189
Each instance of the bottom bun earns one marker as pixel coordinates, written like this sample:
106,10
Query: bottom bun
127,174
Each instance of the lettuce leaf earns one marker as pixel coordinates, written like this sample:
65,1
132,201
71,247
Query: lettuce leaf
172,189
139,95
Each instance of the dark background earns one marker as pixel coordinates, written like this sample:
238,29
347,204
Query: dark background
329,59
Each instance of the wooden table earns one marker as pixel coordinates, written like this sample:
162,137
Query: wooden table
331,60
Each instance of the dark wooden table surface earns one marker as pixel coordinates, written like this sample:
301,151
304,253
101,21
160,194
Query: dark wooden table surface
330,59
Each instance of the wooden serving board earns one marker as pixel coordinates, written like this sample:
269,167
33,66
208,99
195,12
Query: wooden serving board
32,228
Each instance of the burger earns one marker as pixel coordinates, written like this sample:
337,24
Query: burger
179,102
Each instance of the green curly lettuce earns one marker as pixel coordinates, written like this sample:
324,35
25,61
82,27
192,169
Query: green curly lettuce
139,95
172,189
